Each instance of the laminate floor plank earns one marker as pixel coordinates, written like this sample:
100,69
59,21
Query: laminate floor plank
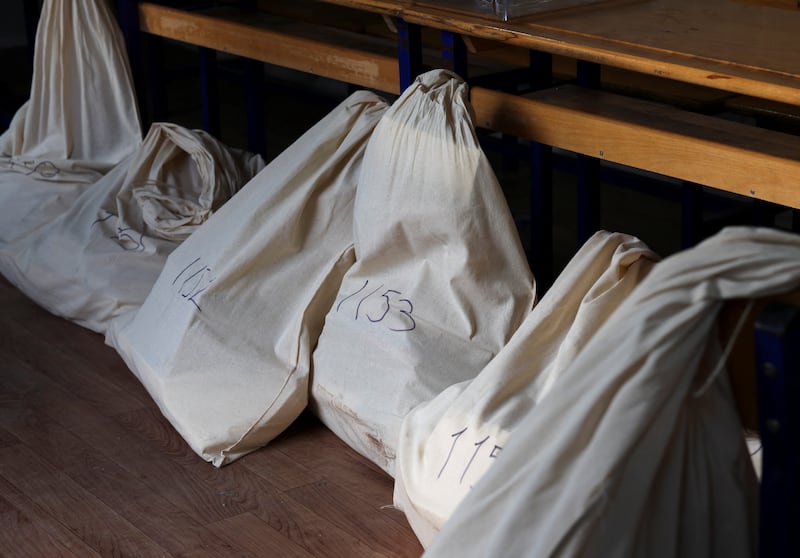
339,464
90,467
259,539
360,519
239,490
28,532
74,375
116,487
63,345
7,438
279,469
80,511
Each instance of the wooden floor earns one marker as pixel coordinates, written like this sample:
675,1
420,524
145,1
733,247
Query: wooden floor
89,467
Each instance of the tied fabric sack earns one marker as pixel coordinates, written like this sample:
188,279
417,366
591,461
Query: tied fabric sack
639,449
100,258
447,444
440,281
223,341
80,121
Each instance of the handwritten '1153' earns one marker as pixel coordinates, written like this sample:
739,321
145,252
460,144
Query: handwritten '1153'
380,305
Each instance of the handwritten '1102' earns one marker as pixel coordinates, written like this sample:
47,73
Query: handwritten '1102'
193,280
379,305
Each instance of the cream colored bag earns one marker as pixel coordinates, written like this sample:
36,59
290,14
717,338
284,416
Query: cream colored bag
100,258
80,121
440,281
223,342
638,449
448,443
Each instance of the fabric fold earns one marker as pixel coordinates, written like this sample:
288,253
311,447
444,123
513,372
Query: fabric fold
223,341
440,281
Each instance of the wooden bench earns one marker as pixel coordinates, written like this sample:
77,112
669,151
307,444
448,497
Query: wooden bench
706,150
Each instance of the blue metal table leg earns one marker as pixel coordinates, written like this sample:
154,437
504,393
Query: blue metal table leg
691,214
409,52
541,186
209,91
31,11
159,104
454,53
128,15
777,342
254,95
541,219
588,168
541,69
254,103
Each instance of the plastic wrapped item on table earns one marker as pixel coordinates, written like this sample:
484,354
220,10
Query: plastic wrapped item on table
507,9
638,449
100,258
440,281
447,444
80,121
223,341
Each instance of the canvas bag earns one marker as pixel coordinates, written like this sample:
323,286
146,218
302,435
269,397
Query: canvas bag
440,281
80,121
100,258
639,448
223,342
448,443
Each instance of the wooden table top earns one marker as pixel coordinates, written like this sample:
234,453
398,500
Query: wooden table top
741,46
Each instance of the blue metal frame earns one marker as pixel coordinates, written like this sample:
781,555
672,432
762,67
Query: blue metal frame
778,364
409,51
588,168
128,15
454,53
691,214
209,91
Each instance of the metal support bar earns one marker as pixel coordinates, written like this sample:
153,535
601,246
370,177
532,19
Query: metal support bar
588,168
159,103
691,214
541,69
254,103
588,74
209,91
454,53
31,12
778,364
409,52
541,220
588,174
128,14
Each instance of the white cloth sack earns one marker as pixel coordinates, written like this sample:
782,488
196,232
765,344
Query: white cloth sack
223,342
100,258
448,443
638,450
440,281
80,121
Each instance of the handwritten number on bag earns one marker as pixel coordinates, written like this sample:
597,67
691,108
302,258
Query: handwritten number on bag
193,280
456,436
128,238
391,301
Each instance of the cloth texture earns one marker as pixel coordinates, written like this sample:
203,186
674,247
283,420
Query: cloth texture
448,443
440,281
80,121
223,341
100,258
638,449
